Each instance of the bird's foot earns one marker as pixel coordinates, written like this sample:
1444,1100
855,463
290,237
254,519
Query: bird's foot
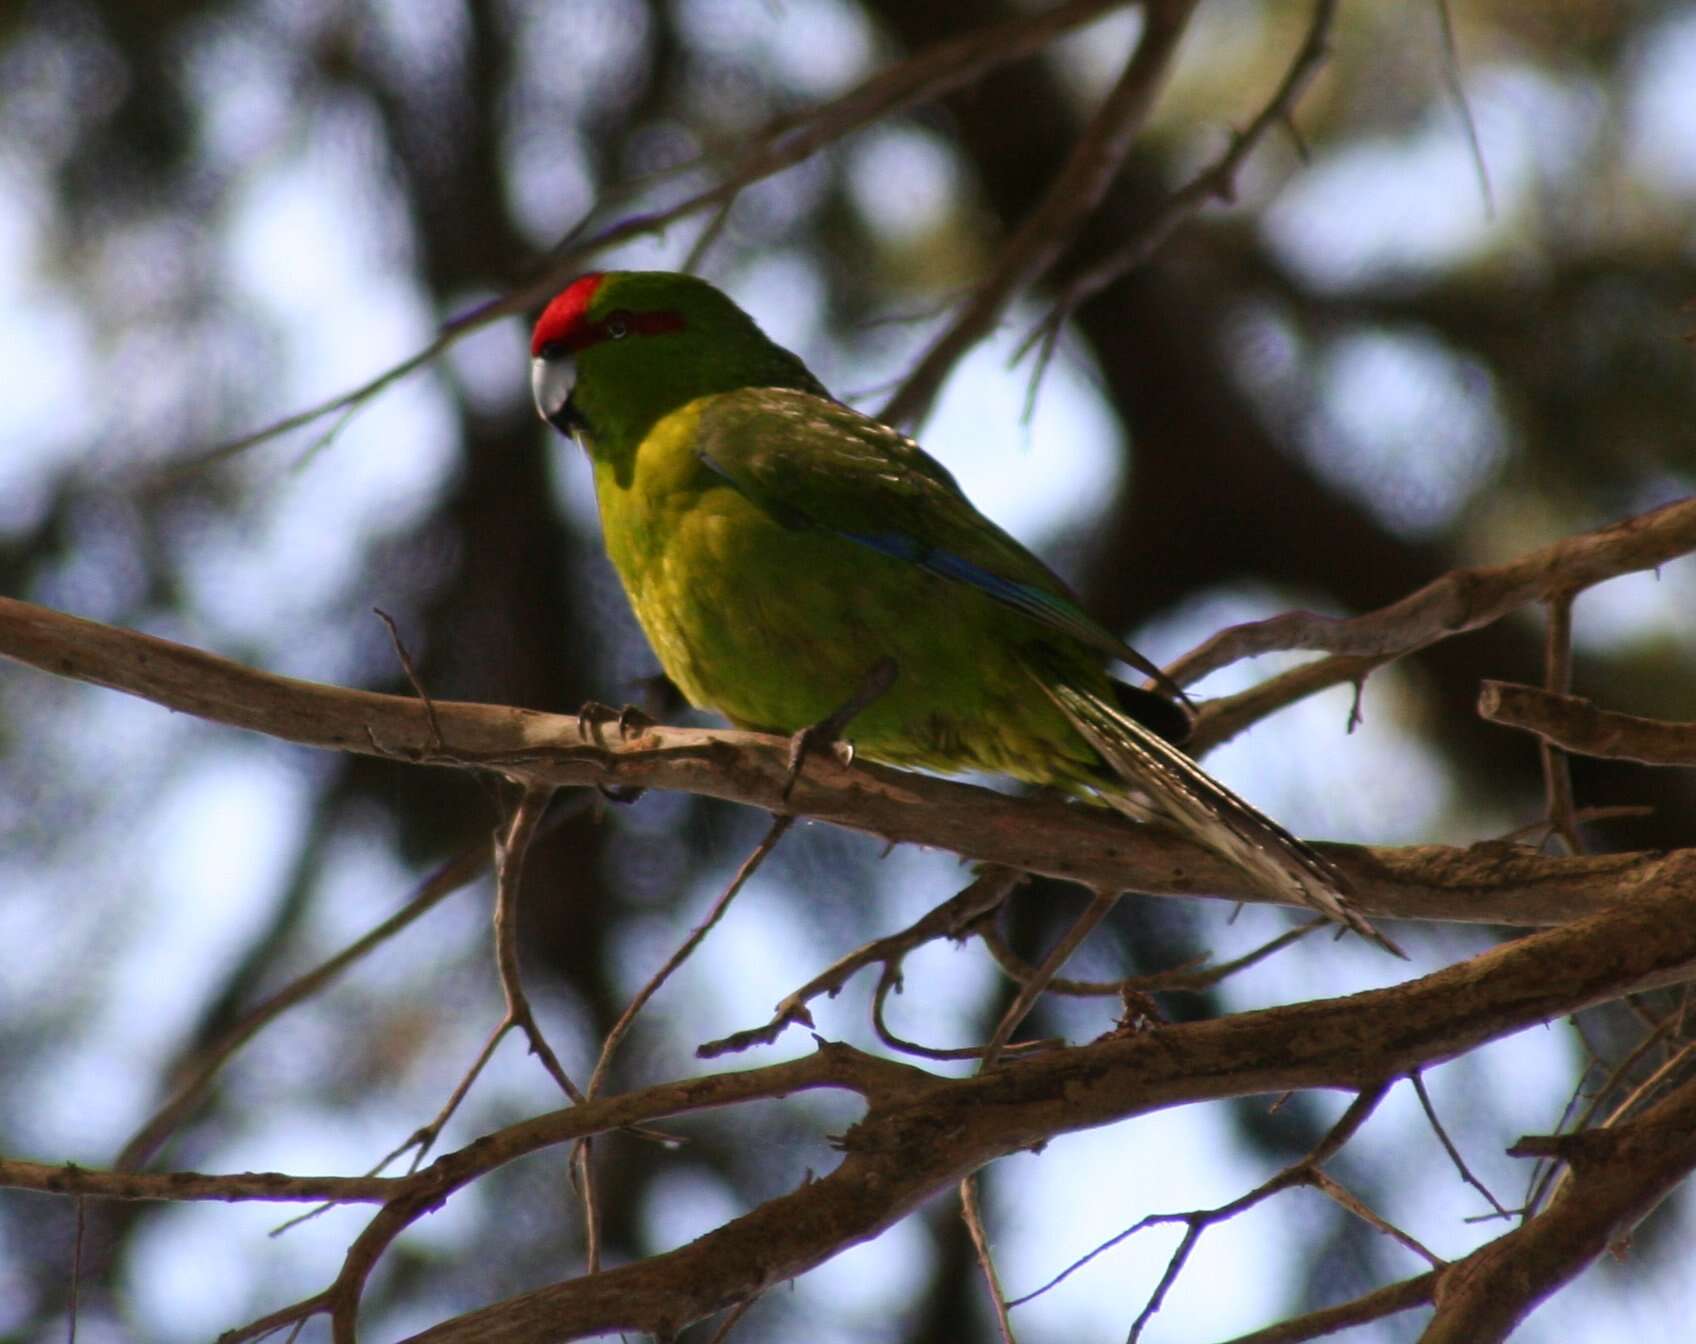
594,715
829,729
592,718
622,794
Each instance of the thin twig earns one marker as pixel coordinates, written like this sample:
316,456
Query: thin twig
1077,188
889,980
582,1158
1191,976
446,880
775,832
1466,1175
509,870
973,1216
1548,1177
1457,89
1347,1200
412,677
1557,679
1215,182
951,919
1197,1221
1100,903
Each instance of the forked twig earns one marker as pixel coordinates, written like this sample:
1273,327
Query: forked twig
1193,976
951,919
1197,1221
1031,990
1215,182
1466,1175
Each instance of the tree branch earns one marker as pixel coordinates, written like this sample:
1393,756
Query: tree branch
916,1142
1463,599
1574,723
1076,190
1488,884
1619,1175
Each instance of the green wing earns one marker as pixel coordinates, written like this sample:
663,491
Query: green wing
810,462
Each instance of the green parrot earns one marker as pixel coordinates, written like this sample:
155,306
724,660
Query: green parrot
779,548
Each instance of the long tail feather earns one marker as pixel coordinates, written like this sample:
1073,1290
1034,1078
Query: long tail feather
1281,865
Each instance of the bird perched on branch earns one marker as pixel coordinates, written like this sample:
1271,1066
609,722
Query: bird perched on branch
796,563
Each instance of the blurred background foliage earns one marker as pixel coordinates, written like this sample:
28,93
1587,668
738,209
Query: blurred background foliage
1367,370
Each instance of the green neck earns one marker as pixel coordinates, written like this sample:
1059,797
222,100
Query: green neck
625,388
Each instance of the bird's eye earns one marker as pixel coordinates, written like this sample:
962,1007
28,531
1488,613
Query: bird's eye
617,325
551,350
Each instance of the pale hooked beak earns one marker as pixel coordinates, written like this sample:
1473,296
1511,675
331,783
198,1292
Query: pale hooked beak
551,381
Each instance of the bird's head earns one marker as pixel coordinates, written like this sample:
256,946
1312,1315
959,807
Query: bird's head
616,350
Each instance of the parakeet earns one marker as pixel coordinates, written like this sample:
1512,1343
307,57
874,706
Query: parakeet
778,546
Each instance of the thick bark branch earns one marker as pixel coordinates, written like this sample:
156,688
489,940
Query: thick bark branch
1618,1177
1483,884
1575,724
919,1140
1463,599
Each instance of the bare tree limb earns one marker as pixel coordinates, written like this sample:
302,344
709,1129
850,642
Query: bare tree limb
1619,1175
1489,884
1575,724
1216,182
1373,1306
908,1149
1077,189
245,1187
924,77
922,1134
1461,600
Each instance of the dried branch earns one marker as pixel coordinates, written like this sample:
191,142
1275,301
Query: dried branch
1031,989
1575,724
1216,182
194,1186
1558,804
1489,884
922,1134
1449,1147
1305,1172
1075,192
1195,976
1373,1306
926,77
908,1148
158,1127
1346,1200
951,919
1618,1176
509,871
1461,600
973,1217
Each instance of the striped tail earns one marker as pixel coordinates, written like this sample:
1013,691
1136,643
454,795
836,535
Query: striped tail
1277,862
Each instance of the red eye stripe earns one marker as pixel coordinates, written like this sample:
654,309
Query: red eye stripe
565,323
649,324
